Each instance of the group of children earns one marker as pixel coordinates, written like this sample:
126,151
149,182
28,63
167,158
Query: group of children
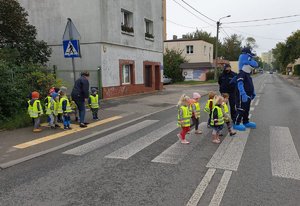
58,106
217,108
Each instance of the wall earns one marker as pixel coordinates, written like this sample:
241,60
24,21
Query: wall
234,66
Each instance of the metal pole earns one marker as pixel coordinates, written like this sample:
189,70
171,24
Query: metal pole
73,66
216,52
100,82
71,38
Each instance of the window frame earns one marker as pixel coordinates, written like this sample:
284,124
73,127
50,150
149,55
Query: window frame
127,22
190,49
123,81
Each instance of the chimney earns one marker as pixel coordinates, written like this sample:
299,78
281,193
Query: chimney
184,36
174,37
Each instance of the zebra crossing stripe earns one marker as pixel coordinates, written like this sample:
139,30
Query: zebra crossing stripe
285,160
91,146
176,152
143,142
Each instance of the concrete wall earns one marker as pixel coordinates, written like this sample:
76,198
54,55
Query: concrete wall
198,45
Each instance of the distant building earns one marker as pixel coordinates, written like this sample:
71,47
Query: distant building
198,53
123,38
267,57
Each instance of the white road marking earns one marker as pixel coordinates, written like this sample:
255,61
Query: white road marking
136,146
229,153
250,115
195,198
285,160
176,152
251,109
88,147
217,198
257,102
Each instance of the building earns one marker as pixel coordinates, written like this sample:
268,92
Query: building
199,56
267,57
124,39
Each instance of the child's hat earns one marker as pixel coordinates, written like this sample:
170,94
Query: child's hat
94,90
51,90
196,95
54,95
35,95
63,89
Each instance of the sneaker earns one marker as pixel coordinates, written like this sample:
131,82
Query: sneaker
57,126
232,133
86,123
216,141
65,128
198,132
82,125
37,130
184,142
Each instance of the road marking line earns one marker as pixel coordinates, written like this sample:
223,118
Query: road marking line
62,134
250,115
257,102
195,198
217,198
176,152
98,143
143,142
229,153
284,157
252,109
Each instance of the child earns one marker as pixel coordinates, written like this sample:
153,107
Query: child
209,105
94,103
52,110
184,118
74,109
64,108
226,115
217,119
35,110
46,102
195,106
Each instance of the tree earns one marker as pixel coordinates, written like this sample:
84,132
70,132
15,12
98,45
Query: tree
172,61
18,37
251,43
233,47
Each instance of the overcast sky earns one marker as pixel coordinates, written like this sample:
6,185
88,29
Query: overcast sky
266,36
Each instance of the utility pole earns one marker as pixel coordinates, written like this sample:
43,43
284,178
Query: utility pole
216,52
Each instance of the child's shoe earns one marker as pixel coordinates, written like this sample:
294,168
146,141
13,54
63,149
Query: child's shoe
232,133
198,132
37,130
65,128
57,126
216,141
184,142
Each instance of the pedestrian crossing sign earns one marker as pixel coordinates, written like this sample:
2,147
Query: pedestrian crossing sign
71,48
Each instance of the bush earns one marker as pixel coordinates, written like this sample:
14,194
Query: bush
172,61
297,70
210,75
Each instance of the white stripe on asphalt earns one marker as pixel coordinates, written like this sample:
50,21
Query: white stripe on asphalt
176,152
88,147
257,102
201,188
251,109
136,146
217,198
229,153
250,115
284,157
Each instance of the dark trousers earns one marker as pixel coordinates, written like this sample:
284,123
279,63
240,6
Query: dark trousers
81,108
232,104
195,122
95,113
243,109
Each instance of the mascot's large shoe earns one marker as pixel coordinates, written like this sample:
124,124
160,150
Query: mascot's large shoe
251,125
239,127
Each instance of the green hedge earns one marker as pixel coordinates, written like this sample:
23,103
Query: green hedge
297,70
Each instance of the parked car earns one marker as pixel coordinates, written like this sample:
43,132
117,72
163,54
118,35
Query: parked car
271,72
167,80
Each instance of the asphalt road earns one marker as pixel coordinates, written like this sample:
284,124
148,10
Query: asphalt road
142,163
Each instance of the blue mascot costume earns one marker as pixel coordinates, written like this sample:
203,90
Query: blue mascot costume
245,93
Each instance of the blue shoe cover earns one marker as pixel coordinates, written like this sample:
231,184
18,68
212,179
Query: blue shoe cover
239,127
251,125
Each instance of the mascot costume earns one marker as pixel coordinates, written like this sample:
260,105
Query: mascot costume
245,93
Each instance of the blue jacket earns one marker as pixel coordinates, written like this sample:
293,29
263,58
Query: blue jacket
81,89
224,82
246,59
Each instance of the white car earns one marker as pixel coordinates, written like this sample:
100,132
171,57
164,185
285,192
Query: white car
167,80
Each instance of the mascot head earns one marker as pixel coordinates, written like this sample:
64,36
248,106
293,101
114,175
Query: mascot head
246,61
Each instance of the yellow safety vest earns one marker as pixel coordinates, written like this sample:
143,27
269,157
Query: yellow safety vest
68,107
197,109
29,108
185,119
52,107
35,112
94,101
225,107
207,109
220,117
47,100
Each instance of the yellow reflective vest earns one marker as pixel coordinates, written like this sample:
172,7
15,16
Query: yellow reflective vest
35,110
196,109
52,107
68,106
207,108
94,101
220,117
184,116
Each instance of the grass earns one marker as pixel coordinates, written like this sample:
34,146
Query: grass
196,82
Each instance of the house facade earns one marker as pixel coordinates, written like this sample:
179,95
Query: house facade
199,56
121,42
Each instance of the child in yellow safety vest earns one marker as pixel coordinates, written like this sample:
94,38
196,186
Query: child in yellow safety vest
226,114
184,118
94,103
52,110
35,110
46,102
64,108
217,119
195,106
209,105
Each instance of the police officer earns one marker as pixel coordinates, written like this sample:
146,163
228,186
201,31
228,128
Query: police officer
227,87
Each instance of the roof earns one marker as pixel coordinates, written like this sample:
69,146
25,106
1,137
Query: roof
175,40
197,65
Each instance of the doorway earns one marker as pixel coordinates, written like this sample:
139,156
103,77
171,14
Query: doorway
148,76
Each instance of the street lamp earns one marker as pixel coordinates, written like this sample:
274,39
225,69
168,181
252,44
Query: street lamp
216,49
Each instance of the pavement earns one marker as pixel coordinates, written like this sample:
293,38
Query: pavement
295,81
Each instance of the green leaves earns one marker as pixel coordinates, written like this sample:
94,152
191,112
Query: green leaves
172,61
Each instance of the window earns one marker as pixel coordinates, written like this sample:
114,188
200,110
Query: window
189,49
149,29
204,50
127,21
126,73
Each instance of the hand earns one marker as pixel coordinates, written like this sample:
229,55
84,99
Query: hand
245,98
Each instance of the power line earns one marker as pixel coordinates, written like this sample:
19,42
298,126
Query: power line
265,19
192,13
253,35
286,22
225,32
198,11
186,26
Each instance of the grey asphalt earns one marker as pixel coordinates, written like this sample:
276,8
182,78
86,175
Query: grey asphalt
92,179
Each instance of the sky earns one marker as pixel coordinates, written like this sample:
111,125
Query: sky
180,21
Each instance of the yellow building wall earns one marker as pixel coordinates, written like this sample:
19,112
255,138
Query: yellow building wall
234,66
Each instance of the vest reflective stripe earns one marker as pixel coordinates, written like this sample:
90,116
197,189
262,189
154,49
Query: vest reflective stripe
68,107
220,117
186,116
35,112
94,101
207,109
197,109
52,107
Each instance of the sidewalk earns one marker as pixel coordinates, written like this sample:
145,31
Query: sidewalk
21,143
291,79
